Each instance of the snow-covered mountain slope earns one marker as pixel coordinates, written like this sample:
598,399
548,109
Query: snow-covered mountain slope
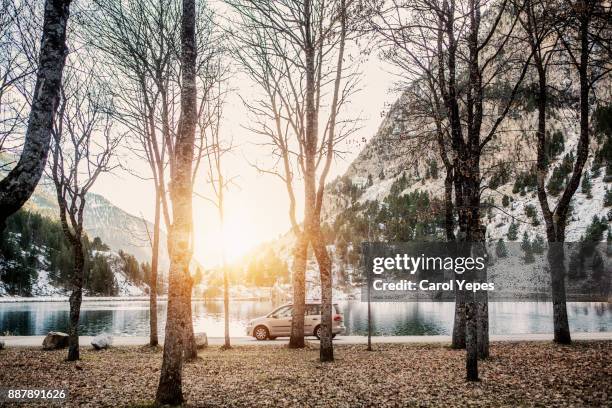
509,195
118,284
389,155
116,227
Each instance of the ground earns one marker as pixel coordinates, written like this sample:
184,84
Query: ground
393,375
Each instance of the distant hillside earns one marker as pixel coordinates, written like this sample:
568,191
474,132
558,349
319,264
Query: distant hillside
116,227
36,260
393,190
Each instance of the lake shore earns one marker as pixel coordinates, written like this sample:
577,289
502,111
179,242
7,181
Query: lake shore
516,374
121,341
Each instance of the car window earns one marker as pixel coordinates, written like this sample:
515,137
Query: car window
284,312
312,310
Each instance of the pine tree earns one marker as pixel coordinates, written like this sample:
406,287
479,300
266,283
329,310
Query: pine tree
587,185
608,197
538,244
500,249
506,201
513,231
530,211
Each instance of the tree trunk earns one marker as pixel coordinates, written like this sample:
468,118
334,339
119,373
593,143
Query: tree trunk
458,341
75,301
556,260
227,344
471,361
300,256
190,350
467,192
169,390
326,351
459,325
17,187
482,305
153,339
449,222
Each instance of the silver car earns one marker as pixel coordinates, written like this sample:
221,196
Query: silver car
278,322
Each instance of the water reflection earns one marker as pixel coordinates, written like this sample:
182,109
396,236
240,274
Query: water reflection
130,318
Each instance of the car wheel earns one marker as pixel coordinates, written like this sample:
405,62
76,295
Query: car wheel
317,332
261,333
333,336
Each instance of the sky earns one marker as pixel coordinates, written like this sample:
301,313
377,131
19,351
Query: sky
257,204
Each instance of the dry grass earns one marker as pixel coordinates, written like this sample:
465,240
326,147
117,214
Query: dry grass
517,374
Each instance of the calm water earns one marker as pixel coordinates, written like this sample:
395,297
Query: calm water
131,318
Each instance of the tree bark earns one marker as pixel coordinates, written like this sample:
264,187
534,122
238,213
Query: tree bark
169,390
190,350
17,187
449,222
300,256
153,339
458,341
326,350
556,260
75,300
467,191
482,305
471,361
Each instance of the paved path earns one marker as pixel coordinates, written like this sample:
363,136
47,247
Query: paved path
36,341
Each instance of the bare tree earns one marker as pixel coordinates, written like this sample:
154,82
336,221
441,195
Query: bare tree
216,149
81,150
180,248
582,27
18,185
19,35
467,50
297,50
274,121
141,40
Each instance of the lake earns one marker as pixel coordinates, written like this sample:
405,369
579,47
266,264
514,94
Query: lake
131,318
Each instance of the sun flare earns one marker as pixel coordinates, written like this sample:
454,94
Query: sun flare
237,237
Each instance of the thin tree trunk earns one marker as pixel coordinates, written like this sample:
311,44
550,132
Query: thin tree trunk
226,344
449,222
169,390
459,325
556,253
75,301
17,187
326,351
221,203
300,256
482,304
153,339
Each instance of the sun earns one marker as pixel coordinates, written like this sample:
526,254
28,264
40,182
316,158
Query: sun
238,237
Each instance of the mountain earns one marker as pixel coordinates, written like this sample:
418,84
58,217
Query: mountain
394,189
509,174
119,229
36,260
